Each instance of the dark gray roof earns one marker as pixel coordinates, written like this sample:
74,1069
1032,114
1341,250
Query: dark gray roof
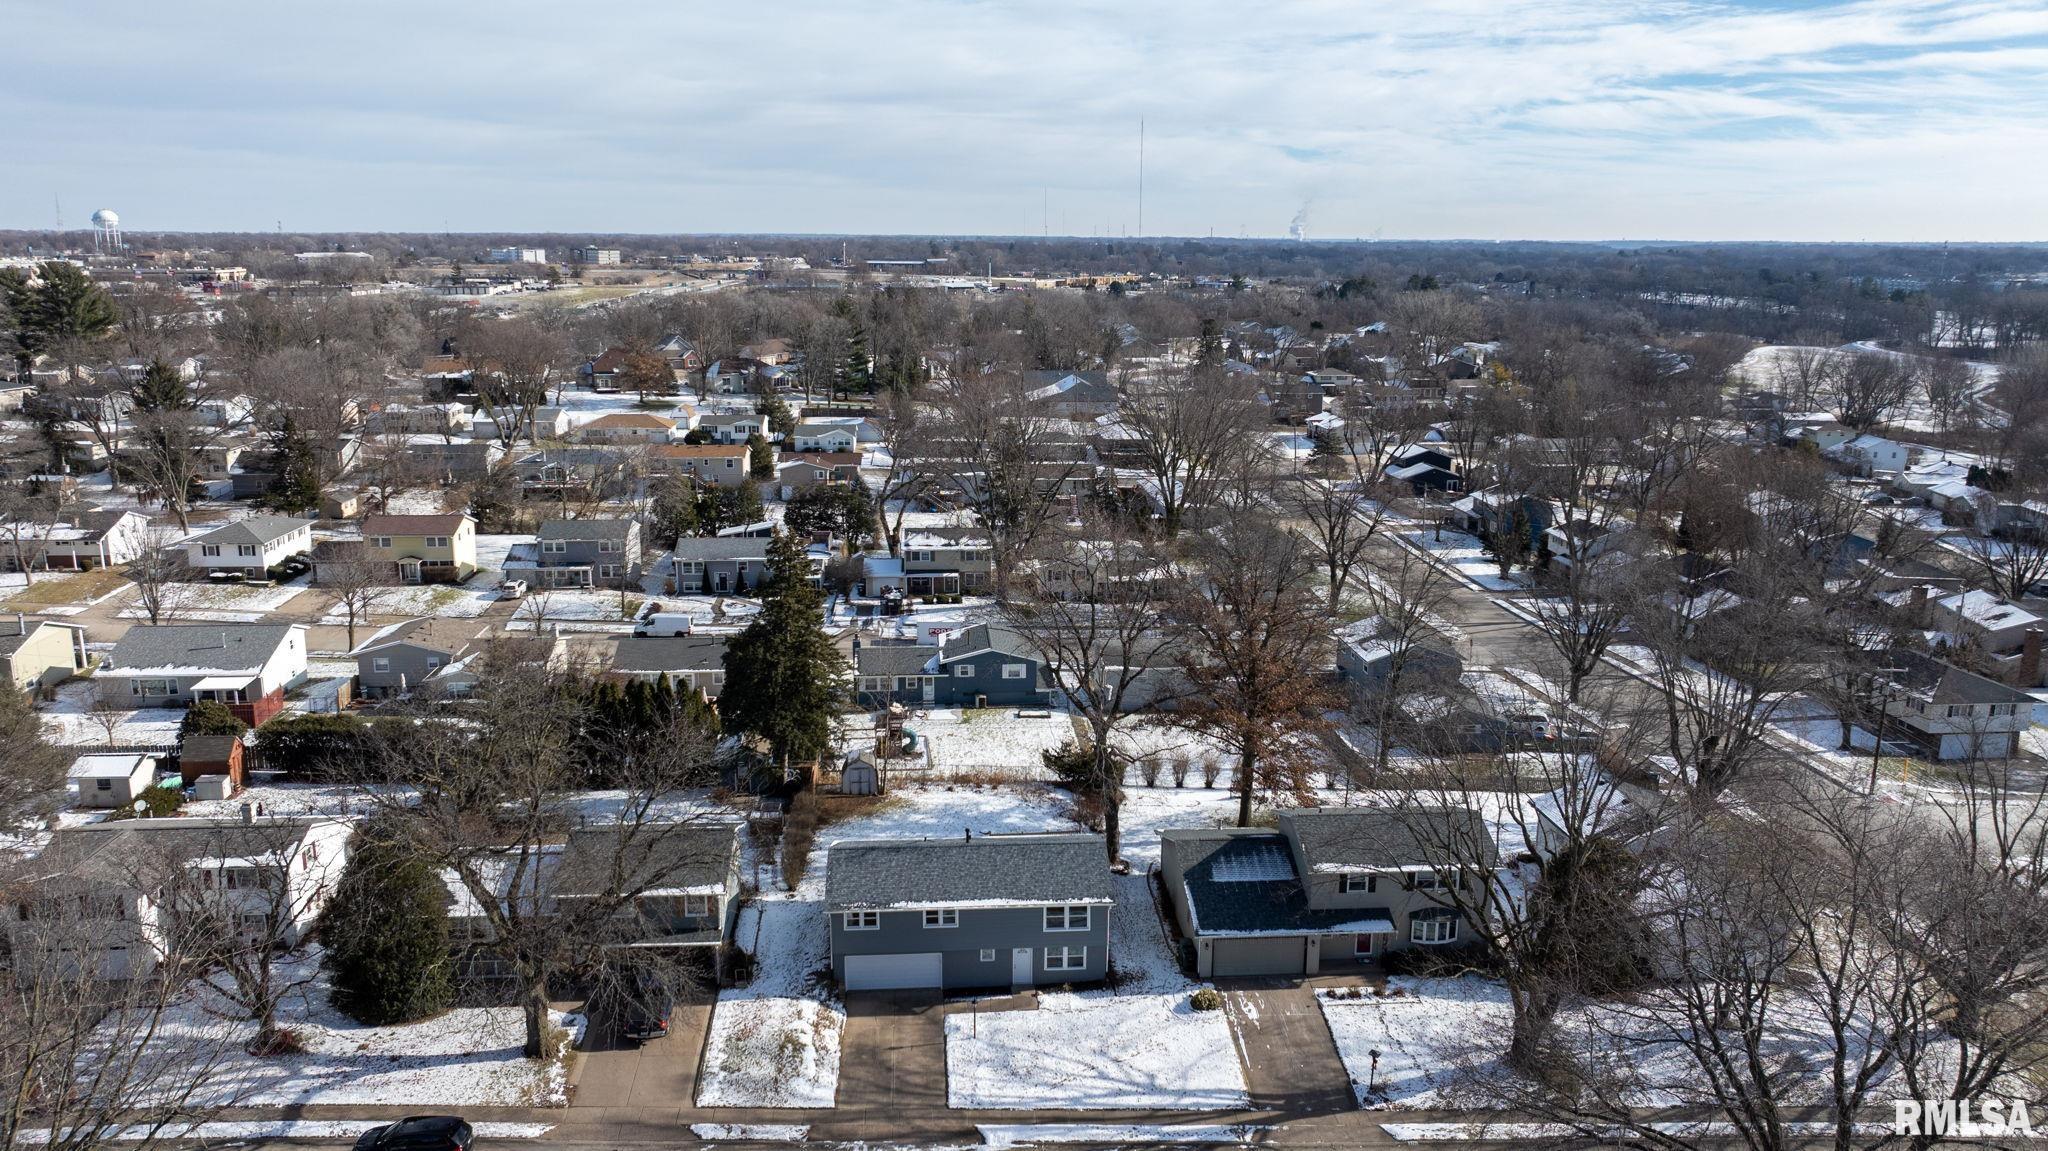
254,530
723,548
981,637
1365,837
1241,883
121,852
593,529
669,653
893,658
648,857
1066,867
198,646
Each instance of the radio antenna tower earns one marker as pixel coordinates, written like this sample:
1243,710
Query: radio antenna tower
1141,175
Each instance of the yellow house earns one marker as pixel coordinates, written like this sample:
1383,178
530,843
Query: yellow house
35,654
425,549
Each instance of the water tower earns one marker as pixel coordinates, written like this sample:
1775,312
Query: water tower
106,231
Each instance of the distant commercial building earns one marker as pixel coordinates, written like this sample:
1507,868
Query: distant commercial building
593,255
519,255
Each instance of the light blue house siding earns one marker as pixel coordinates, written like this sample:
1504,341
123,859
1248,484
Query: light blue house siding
980,949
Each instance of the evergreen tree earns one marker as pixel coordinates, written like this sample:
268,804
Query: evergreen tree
675,509
63,306
1209,347
781,420
34,779
844,510
760,457
161,389
297,486
783,675
386,936
208,717
857,374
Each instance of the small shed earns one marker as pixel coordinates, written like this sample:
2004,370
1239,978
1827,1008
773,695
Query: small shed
860,776
113,778
212,755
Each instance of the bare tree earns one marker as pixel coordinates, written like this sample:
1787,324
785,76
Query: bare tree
159,571
1252,647
1188,434
359,582
28,520
1339,519
1001,457
1869,386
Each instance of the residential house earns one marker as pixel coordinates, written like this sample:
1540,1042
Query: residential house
830,435
1949,713
712,465
1873,455
579,553
617,428
1823,432
423,549
1984,621
1009,911
1072,395
732,427
404,656
1424,469
1496,514
443,419
775,352
800,473
978,666
1330,888
454,463
108,898
93,539
1292,399
946,561
251,547
721,565
35,654
247,666
686,661
1373,652
112,779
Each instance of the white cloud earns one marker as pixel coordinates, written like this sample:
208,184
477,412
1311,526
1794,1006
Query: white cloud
1870,119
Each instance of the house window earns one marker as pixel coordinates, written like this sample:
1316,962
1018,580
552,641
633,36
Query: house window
609,571
437,541
154,687
988,955
863,921
380,541
245,549
1427,881
1014,671
209,549
250,922
554,547
104,784
607,546
698,906
1356,884
942,917
1066,958
1433,927
921,557
380,663
1066,918
964,670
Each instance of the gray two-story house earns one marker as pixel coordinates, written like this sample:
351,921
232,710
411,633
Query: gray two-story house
404,656
978,911
720,565
1331,888
579,553
980,666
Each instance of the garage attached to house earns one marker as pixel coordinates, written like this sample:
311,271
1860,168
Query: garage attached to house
892,972
1281,955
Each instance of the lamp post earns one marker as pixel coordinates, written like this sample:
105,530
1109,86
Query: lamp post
1372,1075
1884,703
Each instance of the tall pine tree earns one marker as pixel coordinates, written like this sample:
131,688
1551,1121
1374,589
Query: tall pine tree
783,676
386,936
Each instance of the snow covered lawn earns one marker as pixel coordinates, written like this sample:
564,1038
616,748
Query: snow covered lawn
1136,1045
1465,554
1176,1134
325,1130
58,593
776,1041
582,609
469,1056
460,601
69,720
220,603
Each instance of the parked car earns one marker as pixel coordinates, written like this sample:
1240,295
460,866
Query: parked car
663,623
511,589
639,1004
419,1133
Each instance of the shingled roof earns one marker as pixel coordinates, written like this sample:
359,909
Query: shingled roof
992,870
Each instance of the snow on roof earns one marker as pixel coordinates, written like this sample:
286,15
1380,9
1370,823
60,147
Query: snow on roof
1987,610
1255,863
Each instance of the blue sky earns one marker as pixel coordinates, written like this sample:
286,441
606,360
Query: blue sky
1571,119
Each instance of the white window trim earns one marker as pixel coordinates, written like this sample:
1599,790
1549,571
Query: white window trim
1066,913
941,917
862,920
1066,959
1357,884
1015,670
963,671
1426,931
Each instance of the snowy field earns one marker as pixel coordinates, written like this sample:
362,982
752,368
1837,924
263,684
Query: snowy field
1764,368
1137,1045
1465,554
464,1057
458,601
220,603
775,1042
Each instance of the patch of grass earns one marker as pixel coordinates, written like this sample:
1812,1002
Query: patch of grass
982,714
161,801
51,591
441,597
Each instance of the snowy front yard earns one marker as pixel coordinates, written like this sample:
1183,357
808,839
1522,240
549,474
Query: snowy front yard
1468,557
775,1042
465,1057
219,602
1137,1045
461,601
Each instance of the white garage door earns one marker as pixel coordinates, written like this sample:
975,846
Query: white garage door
884,972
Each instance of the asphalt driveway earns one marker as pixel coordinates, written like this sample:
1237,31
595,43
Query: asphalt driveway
1290,1061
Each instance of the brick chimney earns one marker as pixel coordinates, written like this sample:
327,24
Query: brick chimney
1917,613
2030,659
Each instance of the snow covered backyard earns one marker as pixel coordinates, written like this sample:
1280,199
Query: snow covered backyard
776,1041
1138,1044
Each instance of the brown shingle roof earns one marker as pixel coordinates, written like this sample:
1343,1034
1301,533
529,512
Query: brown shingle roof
391,525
